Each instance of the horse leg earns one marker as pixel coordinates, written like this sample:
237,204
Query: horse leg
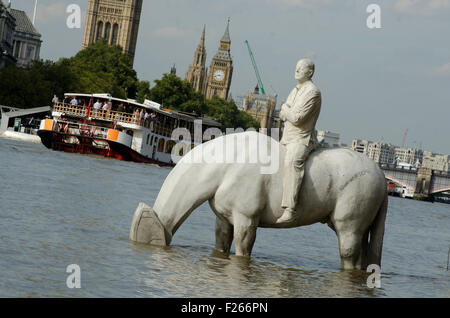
224,235
350,250
244,234
364,250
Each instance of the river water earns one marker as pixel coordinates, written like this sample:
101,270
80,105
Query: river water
58,209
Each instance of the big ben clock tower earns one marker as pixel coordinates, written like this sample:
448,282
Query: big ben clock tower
221,69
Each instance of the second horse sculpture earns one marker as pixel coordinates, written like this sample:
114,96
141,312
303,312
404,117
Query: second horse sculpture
341,187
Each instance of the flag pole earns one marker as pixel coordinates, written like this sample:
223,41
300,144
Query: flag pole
34,15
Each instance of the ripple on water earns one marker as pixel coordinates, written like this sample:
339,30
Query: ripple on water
59,209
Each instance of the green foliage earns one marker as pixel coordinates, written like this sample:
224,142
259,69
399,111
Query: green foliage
100,68
143,91
172,92
35,86
175,93
227,113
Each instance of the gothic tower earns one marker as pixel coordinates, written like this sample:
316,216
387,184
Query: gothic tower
197,74
116,21
221,69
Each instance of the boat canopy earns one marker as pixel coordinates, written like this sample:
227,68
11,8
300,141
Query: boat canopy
148,104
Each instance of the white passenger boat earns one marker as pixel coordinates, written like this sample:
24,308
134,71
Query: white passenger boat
118,129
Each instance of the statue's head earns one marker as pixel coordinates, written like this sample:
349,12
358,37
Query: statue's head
304,70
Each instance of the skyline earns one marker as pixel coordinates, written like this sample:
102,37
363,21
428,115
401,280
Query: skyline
375,83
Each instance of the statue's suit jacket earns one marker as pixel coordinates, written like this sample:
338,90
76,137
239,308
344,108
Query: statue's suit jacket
300,119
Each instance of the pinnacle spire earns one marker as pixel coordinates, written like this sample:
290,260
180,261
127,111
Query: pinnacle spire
226,35
202,40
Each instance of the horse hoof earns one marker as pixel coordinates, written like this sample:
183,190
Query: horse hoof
146,227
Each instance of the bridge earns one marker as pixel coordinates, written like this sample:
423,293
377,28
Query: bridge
425,183
4,109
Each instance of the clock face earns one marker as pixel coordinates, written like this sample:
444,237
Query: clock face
219,75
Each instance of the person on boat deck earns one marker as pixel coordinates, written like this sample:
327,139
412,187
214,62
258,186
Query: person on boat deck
66,100
74,102
136,114
81,103
105,106
141,116
121,108
55,99
97,105
145,115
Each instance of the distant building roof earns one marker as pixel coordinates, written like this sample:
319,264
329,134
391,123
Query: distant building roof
23,23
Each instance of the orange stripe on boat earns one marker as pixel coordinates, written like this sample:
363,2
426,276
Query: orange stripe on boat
48,124
113,134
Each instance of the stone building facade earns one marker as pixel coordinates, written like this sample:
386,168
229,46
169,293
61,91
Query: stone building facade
27,40
262,108
7,26
221,69
412,156
382,152
436,161
197,73
379,152
116,21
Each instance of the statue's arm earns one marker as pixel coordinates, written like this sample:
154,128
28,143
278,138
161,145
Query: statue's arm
301,111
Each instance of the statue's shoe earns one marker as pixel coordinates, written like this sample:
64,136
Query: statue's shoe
288,216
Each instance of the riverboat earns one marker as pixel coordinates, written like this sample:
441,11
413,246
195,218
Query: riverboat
117,128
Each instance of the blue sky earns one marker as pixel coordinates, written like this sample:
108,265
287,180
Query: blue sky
375,83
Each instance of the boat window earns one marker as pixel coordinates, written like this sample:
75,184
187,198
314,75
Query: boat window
169,146
161,145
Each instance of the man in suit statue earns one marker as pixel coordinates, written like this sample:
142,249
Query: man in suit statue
300,114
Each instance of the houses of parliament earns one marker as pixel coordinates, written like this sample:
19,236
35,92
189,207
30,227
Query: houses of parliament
116,21
216,81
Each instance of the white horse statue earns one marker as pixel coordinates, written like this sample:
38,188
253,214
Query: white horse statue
341,187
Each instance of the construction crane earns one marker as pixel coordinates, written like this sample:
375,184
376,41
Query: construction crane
258,77
404,138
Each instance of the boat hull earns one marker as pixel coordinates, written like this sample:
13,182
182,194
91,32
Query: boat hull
89,145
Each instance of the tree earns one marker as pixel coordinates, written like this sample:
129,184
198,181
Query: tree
33,87
172,92
227,113
101,68
143,91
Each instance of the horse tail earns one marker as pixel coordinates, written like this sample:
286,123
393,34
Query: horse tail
185,188
377,234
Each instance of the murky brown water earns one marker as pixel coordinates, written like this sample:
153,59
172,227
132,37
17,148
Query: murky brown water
58,209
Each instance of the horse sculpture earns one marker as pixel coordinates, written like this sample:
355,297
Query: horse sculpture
341,187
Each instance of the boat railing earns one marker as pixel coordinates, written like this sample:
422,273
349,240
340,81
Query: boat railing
69,109
113,116
107,115
72,128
